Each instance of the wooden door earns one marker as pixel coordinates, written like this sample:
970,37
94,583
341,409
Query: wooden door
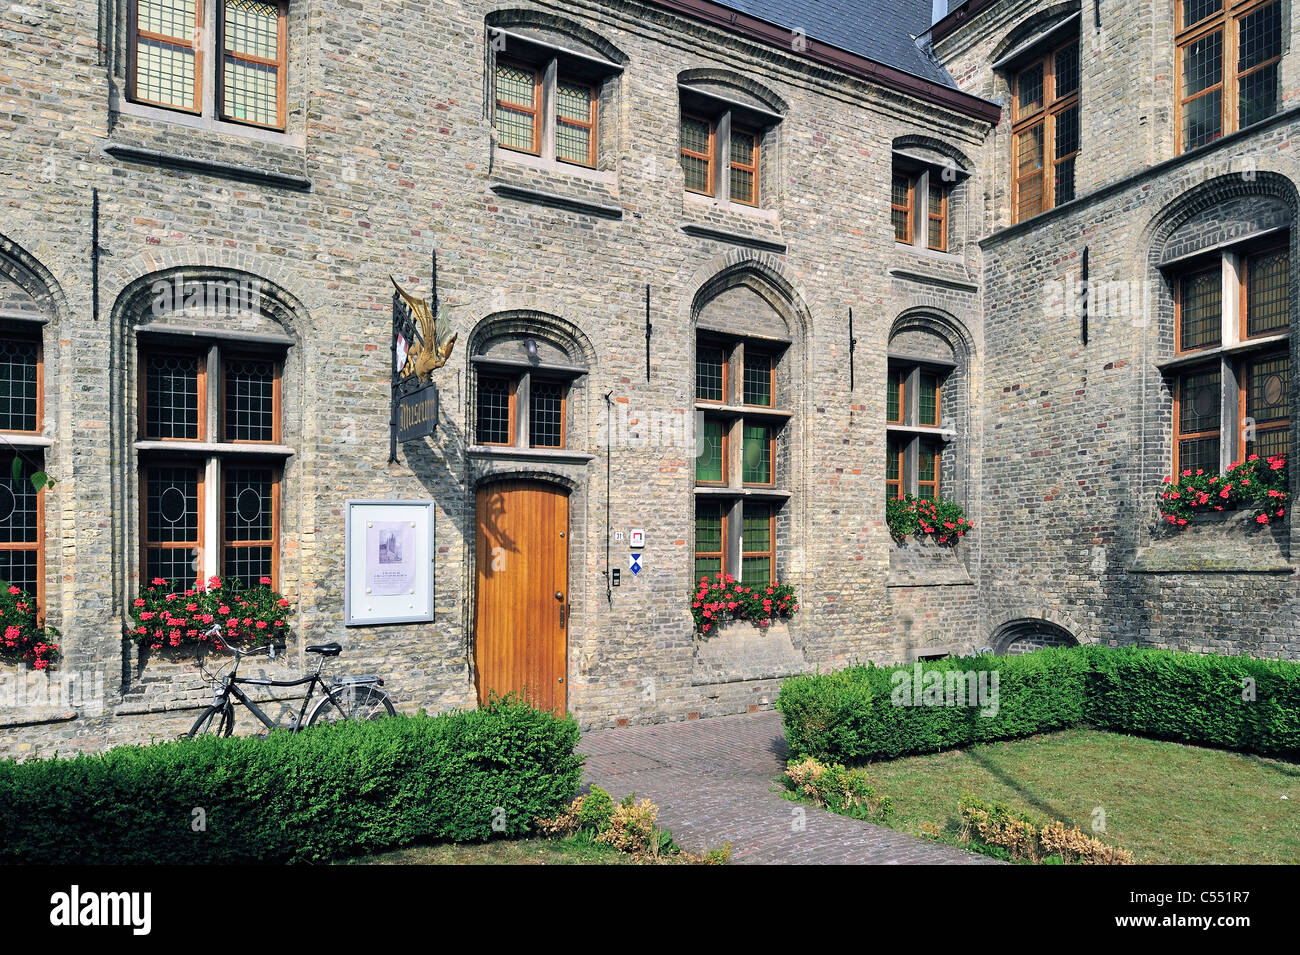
522,598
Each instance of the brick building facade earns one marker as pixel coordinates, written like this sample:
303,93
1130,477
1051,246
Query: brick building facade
763,169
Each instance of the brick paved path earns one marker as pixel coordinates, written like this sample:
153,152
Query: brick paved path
714,781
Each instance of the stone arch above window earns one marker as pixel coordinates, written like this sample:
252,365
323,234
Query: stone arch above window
734,88
1216,213
547,30
1028,634
211,302
1043,26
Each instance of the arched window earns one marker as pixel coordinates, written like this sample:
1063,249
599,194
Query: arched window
925,406
1226,302
209,438
743,387
22,438
525,367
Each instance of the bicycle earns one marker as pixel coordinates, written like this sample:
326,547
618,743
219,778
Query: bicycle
346,698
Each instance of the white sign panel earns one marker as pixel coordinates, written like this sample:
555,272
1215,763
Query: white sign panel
389,562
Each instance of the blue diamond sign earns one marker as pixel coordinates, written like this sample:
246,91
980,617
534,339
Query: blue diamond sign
636,564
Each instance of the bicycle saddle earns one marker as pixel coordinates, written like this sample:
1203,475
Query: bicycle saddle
326,649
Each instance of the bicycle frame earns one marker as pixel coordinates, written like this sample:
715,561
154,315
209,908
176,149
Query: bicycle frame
228,686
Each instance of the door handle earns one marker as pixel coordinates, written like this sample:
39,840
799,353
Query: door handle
559,595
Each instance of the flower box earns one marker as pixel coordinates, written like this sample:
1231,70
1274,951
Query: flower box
740,650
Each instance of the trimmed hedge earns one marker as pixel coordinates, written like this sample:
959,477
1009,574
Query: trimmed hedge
330,790
1196,698
851,715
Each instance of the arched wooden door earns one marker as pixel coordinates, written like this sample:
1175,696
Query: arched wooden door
521,605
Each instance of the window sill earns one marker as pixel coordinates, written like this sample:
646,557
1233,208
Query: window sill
555,184
747,411
215,447
1208,354
512,453
210,167
748,493
124,107
1226,542
947,434
21,440
931,268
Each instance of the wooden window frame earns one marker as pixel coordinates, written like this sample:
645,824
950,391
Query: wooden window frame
899,486
721,555
535,110
1242,368
211,416
726,374
752,169
201,386
1247,260
1233,355
281,64
941,217
1227,19
512,432
938,472
39,342
590,126
38,546
1179,282
770,553
710,158
564,412
910,429
135,34
902,394
143,466
908,208
1043,116
1179,435
276,396
277,477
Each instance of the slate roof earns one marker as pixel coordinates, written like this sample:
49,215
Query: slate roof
876,29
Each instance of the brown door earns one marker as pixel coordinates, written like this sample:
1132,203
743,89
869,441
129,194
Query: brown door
522,599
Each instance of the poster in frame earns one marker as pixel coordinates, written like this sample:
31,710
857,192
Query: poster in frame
389,562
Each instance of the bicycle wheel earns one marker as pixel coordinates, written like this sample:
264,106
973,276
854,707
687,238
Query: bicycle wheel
351,702
216,720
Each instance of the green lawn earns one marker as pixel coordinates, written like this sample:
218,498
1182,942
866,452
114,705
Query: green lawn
572,851
1165,802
